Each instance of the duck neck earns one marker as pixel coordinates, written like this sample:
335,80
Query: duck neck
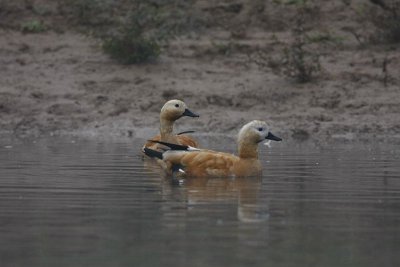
248,150
166,129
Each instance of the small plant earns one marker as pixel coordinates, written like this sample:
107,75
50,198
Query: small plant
33,26
324,37
299,58
132,31
131,49
224,48
300,61
386,18
87,12
136,41
146,28
387,78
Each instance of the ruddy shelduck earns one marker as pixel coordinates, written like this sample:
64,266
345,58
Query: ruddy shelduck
195,162
170,112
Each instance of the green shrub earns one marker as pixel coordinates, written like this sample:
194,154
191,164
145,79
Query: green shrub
130,49
300,58
137,40
132,31
224,49
300,62
146,27
33,26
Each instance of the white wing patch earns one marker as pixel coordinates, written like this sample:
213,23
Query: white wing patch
190,148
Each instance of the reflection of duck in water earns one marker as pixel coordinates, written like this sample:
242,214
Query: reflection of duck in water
170,112
250,207
206,163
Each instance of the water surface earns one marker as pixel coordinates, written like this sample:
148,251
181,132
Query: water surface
86,203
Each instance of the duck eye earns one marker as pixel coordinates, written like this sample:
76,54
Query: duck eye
260,129
177,105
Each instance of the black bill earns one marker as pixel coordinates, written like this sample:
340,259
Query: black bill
189,113
270,136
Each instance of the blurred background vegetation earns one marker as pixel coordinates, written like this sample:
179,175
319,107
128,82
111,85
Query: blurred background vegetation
136,31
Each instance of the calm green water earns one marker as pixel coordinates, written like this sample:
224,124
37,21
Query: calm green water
88,203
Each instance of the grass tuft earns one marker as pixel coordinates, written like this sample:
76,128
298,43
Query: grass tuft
33,26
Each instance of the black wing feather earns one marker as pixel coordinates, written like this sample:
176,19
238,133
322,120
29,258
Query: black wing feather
185,132
170,145
152,153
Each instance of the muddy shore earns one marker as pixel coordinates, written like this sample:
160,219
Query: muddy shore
62,83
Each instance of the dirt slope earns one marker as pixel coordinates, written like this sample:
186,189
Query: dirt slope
57,83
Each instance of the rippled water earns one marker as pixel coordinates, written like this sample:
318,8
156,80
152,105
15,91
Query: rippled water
86,203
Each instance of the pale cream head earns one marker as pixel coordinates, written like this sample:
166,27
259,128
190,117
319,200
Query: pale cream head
253,132
250,135
175,109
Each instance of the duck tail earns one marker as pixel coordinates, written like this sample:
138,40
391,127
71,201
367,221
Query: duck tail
152,153
171,146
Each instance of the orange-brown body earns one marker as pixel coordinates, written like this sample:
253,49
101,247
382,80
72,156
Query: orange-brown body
208,163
